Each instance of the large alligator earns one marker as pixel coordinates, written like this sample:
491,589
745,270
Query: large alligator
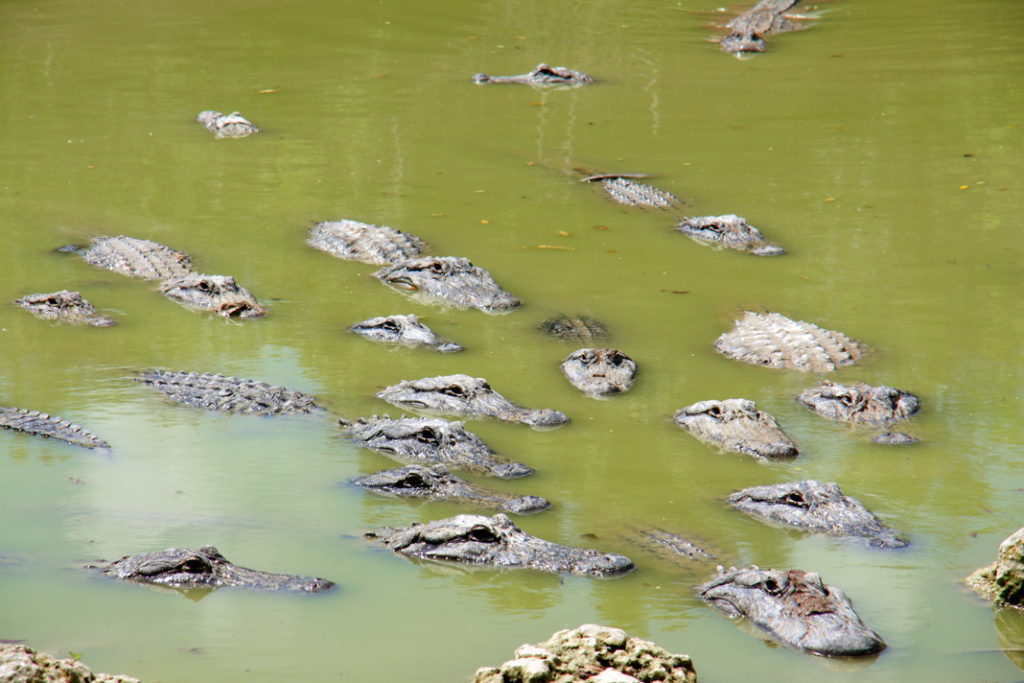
185,568
228,394
775,341
232,125
728,232
577,328
449,280
219,294
623,189
1002,582
466,396
49,426
818,507
64,306
424,440
747,31
496,542
599,372
542,76
437,483
406,330
736,424
794,608
365,242
137,258
863,404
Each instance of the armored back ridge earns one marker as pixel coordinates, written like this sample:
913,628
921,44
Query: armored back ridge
449,280
228,394
623,189
736,424
747,31
64,306
577,328
355,241
51,426
775,341
137,258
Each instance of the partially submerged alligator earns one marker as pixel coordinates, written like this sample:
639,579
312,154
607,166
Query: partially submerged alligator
423,440
599,372
137,258
228,394
406,330
50,426
1002,582
437,483
775,341
185,568
577,328
232,125
64,306
672,546
449,280
467,396
863,404
623,188
736,424
219,294
356,241
542,76
728,232
794,608
747,31
818,507
496,542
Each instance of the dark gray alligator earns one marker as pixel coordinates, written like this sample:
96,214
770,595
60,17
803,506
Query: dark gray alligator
437,483
747,31
466,396
423,440
794,608
1002,582
599,372
449,280
228,394
64,306
232,125
774,341
818,507
355,241
542,76
137,258
863,404
406,330
577,328
185,568
219,294
728,232
672,546
623,189
496,542
736,424
51,426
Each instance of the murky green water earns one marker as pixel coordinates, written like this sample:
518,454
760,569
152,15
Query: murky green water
882,148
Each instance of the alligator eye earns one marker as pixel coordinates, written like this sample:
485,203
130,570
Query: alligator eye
204,286
413,481
714,411
193,565
482,534
428,435
771,586
437,268
454,390
715,228
795,498
52,302
847,400
389,325
403,282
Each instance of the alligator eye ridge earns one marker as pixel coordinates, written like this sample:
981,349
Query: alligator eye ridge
482,534
193,565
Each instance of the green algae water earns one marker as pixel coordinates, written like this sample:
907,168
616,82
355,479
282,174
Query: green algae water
882,148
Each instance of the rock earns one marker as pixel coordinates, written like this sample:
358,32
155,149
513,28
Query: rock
1002,582
22,664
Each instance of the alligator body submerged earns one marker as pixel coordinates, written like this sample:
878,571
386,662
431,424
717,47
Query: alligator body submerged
863,404
438,483
794,608
448,280
817,507
576,328
728,232
228,394
747,31
364,242
736,424
137,258
64,306
542,76
232,125
623,189
772,340
218,294
49,426
403,330
496,542
599,372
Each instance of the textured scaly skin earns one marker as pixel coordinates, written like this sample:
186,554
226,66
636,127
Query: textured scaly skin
355,241
43,424
137,258
228,394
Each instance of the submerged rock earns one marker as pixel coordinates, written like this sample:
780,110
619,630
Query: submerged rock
1002,582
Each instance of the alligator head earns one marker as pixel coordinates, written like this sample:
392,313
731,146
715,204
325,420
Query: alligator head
64,306
795,608
449,280
859,403
738,42
542,76
465,395
406,330
217,293
497,542
599,372
232,125
817,507
736,424
730,232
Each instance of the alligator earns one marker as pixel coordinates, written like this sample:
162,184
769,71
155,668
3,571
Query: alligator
232,125
406,330
64,306
422,440
355,241
775,341
137,258
795,608
816,507
736,424
542,76
623,188
747,31
1002,582
217,293
599,372
863,404
228,394
449,280
50,426
497,542
437,483
466,396
206,568
728,232
579,328
672,546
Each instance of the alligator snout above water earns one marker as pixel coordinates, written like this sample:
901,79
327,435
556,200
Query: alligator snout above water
863,404
219,294
542,76
728,232
736,424
232,125
64,306
599,372
448,280
403,330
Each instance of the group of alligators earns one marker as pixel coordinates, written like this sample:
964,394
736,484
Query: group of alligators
792,606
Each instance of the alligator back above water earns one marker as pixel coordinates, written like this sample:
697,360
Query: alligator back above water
577,328
599,372
449,280
728,232
736,424
775,341
218,294
137,258
356,241
542,76
64,306
623,189
51,426
232,125
404,330
228,394
747,31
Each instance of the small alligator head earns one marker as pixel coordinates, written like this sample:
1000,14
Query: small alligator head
817,507
64,306
465,395
217,293
496,542
795,608
232,125
406,330
738,42
730,232
599,372
860,403
449,280
736,424
542,76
